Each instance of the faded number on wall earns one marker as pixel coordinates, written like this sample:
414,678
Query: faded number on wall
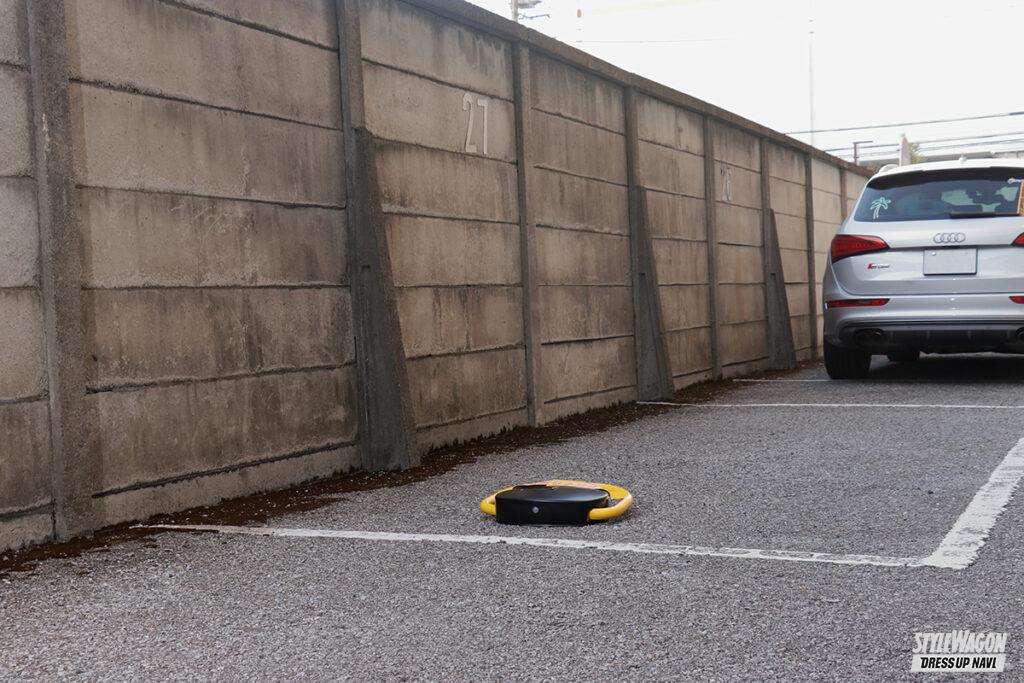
470,103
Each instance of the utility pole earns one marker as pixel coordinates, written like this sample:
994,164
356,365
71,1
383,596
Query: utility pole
810,76
905,152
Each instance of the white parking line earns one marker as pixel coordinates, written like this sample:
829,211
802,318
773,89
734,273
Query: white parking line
959,549
566,543
957,406
924,380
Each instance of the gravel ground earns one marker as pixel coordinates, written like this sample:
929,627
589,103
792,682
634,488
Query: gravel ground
182,606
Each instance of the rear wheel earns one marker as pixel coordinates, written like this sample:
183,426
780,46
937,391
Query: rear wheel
843,363
908,356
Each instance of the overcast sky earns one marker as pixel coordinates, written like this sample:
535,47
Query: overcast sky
874,61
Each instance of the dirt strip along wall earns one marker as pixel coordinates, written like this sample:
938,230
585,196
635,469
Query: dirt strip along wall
206,171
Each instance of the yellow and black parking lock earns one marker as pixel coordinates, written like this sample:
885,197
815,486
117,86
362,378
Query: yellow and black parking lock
557,501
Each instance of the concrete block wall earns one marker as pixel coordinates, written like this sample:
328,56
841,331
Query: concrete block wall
742,336
25,499
211,203
578,151
439,101
671,172
788,199
209,276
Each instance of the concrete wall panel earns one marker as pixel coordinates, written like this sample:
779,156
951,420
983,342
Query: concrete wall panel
19,233
824,176
422,253
675,216
587,367
664,169
572,257
134,239
408,108
172,334
739,264
689,351
684,306
21,333
681,263
670,126
458,319
738,225
401,36
737,148
129,141
310,20
561,89
742,343
573,313
441,184
170,431
24,456
788,198
794,265
827,207
854,186
792,231
579,203
15,128
565,145
737,186
13,30
786,164
797,296
157,47
450,388
740,303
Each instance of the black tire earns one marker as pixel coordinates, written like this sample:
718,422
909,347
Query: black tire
843,363
910,356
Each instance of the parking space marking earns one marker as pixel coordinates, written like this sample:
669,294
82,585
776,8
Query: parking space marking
924,380
564,543
959,549
929,406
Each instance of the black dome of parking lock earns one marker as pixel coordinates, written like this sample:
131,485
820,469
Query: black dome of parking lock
557,501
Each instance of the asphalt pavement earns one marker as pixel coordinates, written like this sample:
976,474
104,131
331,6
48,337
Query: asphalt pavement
781,532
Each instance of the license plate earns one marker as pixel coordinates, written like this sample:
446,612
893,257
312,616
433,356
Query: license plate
950,261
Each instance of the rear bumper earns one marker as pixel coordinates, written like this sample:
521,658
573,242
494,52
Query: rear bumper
931,323
939,336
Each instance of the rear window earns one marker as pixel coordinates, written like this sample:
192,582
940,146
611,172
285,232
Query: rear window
949,193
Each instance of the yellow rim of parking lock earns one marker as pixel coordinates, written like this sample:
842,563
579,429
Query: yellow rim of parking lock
557,501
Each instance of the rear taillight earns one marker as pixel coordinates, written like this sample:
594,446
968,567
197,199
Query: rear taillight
844,246
1017,299
1019,242
855,303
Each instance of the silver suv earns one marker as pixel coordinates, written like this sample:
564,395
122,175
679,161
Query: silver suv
932,261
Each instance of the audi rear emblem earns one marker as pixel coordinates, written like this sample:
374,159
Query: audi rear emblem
949,238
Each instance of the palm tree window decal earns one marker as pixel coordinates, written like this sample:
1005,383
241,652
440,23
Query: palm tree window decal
880,204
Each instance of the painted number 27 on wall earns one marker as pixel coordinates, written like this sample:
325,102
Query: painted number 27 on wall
469,105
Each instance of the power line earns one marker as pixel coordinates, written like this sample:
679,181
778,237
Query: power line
906,123
925,142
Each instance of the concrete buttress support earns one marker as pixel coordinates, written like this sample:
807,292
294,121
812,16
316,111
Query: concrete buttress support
653,374
812,295
527,235
387,433
781,349
711,231
75,463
